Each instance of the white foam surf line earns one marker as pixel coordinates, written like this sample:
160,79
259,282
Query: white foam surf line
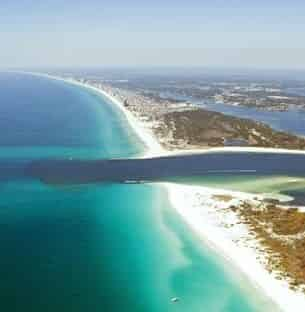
278,291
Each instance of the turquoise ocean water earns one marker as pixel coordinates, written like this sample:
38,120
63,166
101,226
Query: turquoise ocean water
101,247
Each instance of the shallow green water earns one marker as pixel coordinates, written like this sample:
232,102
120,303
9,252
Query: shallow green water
97,247
249,183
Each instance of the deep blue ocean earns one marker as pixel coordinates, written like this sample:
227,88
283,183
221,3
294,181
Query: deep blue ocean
98,247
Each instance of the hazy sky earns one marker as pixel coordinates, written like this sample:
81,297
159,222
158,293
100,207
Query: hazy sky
233,33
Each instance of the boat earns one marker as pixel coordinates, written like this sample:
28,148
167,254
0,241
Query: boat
132,182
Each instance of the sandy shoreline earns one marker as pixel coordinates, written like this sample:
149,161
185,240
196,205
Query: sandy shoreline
210,219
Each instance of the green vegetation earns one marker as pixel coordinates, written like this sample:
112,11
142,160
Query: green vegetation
200,128
282,233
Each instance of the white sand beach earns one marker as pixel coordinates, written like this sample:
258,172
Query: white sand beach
209,217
